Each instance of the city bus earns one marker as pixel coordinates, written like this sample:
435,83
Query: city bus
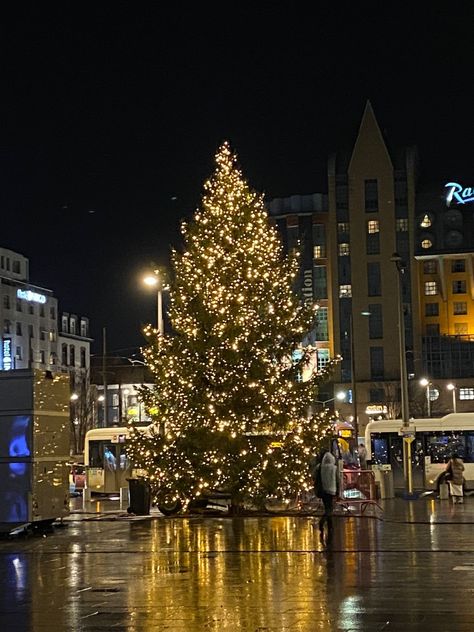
436,439
106,461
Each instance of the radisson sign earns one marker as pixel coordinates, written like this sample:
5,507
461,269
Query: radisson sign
459,194
28,295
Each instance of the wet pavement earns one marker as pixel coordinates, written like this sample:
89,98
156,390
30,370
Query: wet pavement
410,568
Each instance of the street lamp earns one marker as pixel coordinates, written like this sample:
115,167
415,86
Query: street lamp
427,384
155,280
452,388
405,429
340,396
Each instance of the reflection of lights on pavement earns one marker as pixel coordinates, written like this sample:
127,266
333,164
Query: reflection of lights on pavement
350,607
19,573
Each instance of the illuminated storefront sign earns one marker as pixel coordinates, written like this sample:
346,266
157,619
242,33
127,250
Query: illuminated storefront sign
28,295
373,409
458,193
7,357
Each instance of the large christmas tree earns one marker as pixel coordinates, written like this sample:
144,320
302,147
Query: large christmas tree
230,398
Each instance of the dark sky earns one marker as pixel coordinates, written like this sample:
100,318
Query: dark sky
110,119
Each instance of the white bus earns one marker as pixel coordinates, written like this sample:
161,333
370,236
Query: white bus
106,461
436,439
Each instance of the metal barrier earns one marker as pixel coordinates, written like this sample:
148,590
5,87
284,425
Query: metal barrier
358,490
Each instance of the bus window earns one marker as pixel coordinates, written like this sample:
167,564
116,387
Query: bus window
379,451
102,454
469,457
441,447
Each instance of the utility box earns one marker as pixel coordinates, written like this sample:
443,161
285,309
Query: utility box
34,447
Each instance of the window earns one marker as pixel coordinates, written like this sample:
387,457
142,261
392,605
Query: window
19,353
373,244
375,321
42,357
459,287
64,354
19,306
432,330
6,301
83,357
42,311
64,324
373,226
426,221
466,393
319,252
16,268
426,243
84,328
31,308
72,355
31,331
458,265
345,291
343,228
115,399
460,329
72,326
401,225
320,282
18,329
432,309
319,240
344,250
321,326
371,196
429,267
53,358
52,313
323,358
376,363
42,334
377,395
6,327
430,288
374,283
52,335
459,308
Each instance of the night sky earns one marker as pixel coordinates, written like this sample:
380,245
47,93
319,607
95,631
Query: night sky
110,120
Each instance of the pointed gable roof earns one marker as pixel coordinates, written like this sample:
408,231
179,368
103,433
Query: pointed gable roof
369,141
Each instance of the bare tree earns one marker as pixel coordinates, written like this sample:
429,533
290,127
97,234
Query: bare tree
83,410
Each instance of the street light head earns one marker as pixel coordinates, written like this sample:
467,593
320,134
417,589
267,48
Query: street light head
424,381
150,280
74,397
100,398
341,396
450,387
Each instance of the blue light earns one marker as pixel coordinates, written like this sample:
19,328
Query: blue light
458,193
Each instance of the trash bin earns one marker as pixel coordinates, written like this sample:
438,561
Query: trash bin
386,484
139,496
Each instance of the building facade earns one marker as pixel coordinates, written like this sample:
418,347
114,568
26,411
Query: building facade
376,206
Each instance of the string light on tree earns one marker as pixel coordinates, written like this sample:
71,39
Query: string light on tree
229,387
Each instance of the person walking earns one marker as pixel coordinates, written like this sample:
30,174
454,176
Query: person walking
362,452
327,488
455,469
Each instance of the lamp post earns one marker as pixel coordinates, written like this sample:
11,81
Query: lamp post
405,429
340,395
155,280
427,384
452,388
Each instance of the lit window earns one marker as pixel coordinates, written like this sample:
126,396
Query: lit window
323,358
460,329
115,399
466,393
343,227
459,287
373,226
344,250
401,225
319,252
426,221
429,267
426,243
430,288
459,308
42,357
345,291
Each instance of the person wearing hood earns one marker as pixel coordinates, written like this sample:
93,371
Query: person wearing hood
327,488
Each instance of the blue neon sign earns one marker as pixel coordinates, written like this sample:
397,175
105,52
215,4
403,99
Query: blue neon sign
462,195
7,357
